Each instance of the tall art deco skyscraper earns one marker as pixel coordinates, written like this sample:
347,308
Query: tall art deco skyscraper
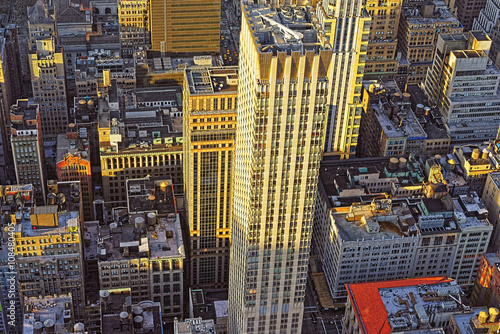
282,92
347,25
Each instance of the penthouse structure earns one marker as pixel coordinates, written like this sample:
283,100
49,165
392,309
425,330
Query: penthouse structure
395,177
480,319
49,254
432,236
446,169
41,23
418,34
143,247
425,304
477,162
27,147
139,143
194,325
390,127
168,99
209,120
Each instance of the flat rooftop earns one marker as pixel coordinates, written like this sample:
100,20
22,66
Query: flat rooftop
42,312
203,81
463,320
469,53
159,241
365,222
74,146
118,301
135,130
480,35
151,195
338,175
195,326
380,305
286,28
152,94
65,221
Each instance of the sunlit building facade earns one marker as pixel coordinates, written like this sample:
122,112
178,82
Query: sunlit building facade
209,127
134,25
180,27
282,92
347,25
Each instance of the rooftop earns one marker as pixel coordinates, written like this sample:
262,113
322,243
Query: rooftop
151,195
118,314
135,98
134,130
441,13
71,146
382,307
112,304
378,220
62,207
212,80
177,65
495,177
194,326
23,115
463,320
339,177
159,240
470,212
48,312
221,308
286,28
93,65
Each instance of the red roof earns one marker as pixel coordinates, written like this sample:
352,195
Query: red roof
368,306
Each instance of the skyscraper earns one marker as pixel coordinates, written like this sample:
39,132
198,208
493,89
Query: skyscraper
209,127
27,147
282,92
181,27
347,25
463,84
49,87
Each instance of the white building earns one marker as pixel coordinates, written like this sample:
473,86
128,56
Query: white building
463,83
397,239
